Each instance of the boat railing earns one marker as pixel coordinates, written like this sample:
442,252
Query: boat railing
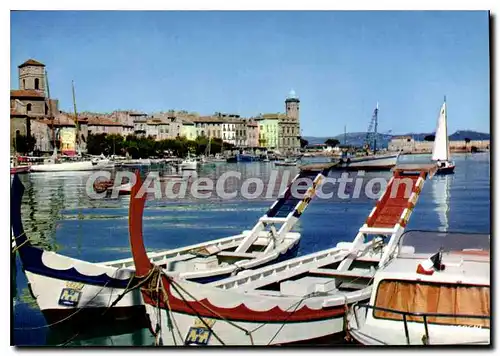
423,315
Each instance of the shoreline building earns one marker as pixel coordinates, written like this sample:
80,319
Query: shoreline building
33,113
289,125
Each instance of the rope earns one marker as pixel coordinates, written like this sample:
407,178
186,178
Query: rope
17,247
127,290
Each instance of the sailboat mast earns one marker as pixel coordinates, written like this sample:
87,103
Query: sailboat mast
446,130
50,109
76,115
375,131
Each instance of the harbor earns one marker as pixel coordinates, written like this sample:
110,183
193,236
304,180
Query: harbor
158,201
66,223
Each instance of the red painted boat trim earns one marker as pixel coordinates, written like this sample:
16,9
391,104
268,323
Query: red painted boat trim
241,312
204,307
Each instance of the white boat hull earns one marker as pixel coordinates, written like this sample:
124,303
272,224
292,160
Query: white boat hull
188,165
71,166
97,297
384,161
389,332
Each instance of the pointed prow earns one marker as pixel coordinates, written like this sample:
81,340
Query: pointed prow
136,210
16,197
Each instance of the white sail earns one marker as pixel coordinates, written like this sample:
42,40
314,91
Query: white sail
441,149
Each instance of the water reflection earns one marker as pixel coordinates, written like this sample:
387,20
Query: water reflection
59,216
441,194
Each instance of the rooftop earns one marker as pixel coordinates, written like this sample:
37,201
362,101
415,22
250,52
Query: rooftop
27,94
31,62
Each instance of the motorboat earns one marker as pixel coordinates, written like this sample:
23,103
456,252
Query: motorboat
435,291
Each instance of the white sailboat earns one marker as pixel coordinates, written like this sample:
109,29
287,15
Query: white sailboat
441,149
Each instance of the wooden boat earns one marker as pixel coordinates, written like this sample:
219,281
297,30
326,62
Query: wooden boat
441,149
302,300
64,286
437,294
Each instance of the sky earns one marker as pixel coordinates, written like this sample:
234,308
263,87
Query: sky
339,63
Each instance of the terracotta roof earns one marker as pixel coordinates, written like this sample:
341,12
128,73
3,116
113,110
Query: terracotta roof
187,122
27,94
208,119
102,121
31,62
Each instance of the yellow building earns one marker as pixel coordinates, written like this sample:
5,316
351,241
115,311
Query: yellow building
268,130
188,129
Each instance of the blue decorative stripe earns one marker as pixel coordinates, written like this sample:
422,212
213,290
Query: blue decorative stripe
31,256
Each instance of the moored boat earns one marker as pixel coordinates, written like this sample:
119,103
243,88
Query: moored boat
286,162
378,162
63,286
302,300
436,291
188,164
441,148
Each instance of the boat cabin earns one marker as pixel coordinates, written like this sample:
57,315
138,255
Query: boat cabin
435,291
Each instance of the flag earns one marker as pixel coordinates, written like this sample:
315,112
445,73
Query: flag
432,264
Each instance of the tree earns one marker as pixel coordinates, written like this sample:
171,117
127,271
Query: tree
430,138
24,144
303,142
332,142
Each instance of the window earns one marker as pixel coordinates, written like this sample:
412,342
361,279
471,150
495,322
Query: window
435,298
37,83
28,107
24,84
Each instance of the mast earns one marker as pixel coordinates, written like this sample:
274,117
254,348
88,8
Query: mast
446,130
375,130
76,117
50,109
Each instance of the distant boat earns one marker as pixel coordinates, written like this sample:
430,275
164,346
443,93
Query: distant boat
188,164
371,162
441,149
52,165
375,162
286,162
244,157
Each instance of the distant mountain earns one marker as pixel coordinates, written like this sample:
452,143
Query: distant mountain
358,138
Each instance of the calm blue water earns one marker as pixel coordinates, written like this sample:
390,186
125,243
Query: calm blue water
58,214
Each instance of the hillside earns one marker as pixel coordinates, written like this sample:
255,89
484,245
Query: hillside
357,138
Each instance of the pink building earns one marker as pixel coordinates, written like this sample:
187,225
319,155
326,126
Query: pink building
252,134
